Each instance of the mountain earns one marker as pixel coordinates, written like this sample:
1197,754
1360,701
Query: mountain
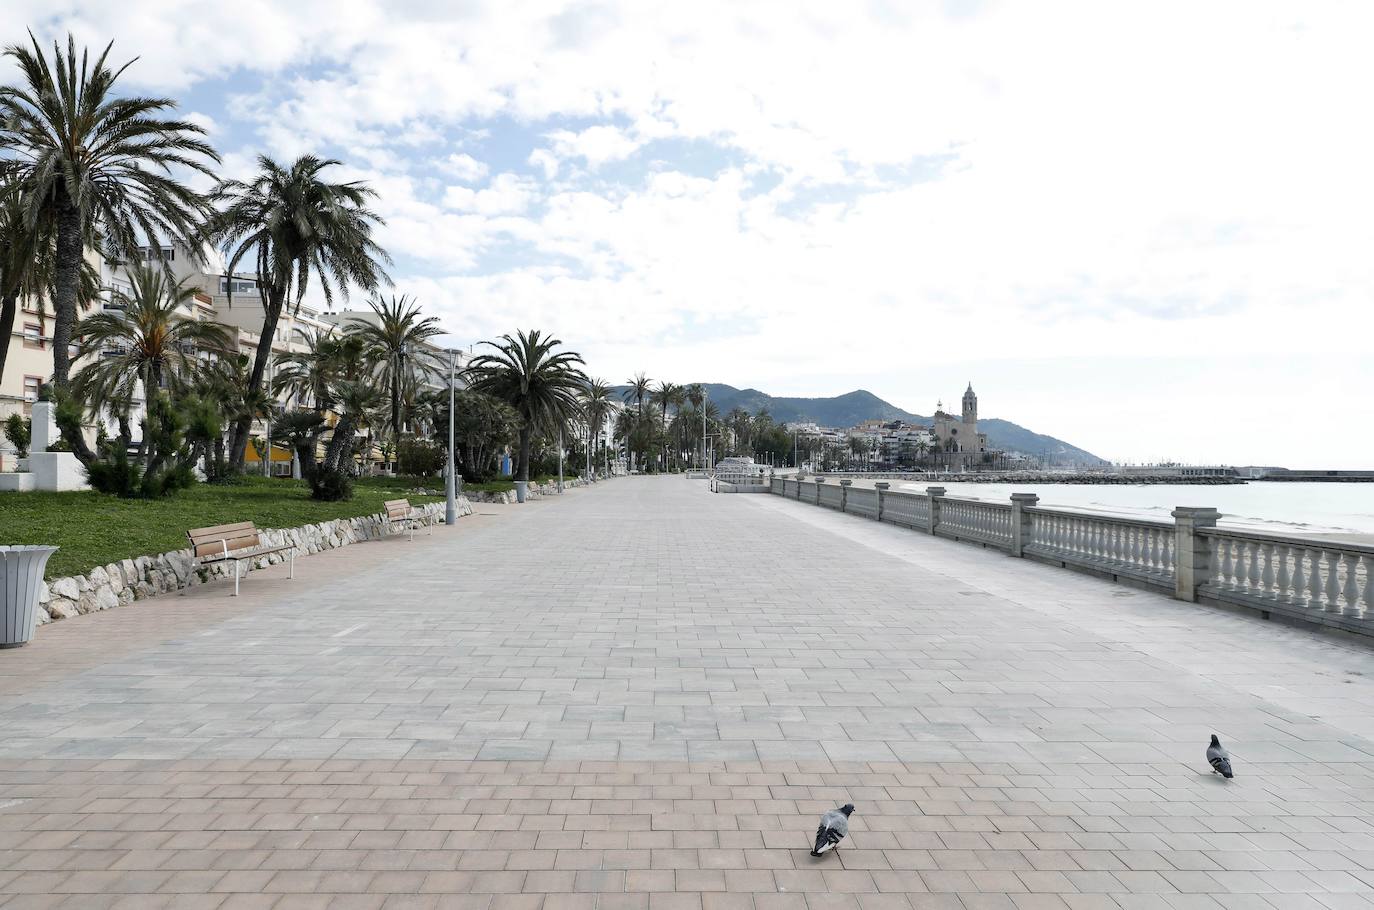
855,407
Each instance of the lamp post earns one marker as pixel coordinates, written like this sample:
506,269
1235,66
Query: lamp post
451,482
267,422
560,460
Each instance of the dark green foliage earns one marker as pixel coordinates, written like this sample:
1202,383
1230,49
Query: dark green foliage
419,457
331,485
19,432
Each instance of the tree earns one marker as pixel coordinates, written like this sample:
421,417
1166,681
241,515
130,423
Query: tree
95,168
144,341
596,405
295,227
482,426
300,430
534,377
395,345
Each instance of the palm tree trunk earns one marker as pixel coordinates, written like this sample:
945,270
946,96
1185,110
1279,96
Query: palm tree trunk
9,307
67,281
244,425
338,443
522,471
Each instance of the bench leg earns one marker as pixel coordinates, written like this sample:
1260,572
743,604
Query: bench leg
237,563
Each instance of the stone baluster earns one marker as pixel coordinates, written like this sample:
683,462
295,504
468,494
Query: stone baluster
1297,594
1192,553
1267,577
1285,581
1368,600
1333,586
933,497
1228,568
879,488
1314,581
1350,594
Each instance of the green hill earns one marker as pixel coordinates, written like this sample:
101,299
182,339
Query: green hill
855,407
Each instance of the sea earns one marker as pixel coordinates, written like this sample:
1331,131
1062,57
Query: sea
1344,510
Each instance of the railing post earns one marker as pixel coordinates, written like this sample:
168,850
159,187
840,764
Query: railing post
934,517
1192,555
879,487
1021,521
844,494
819,481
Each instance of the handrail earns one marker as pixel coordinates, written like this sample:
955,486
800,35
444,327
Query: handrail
1318,580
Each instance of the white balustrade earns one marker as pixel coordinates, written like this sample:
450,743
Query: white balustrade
1307,574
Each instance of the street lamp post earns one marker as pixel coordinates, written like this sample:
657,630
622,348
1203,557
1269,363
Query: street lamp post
560,461
451,483
267,422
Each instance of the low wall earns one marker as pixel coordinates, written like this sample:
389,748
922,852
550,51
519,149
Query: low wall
1308,580
507,497
148,576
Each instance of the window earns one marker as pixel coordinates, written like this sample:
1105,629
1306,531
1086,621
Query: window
149,254
33,336
239,287
31,384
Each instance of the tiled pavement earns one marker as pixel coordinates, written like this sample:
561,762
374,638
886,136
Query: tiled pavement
641,695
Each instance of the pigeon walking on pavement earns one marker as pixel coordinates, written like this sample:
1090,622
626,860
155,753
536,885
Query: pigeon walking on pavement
834,826
1219,759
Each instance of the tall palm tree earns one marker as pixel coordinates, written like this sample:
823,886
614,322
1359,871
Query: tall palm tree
296,227
396,345
596,405
145,340
534,377
96,167
20,260
637,392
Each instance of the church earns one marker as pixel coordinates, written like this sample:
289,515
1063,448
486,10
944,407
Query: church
958,444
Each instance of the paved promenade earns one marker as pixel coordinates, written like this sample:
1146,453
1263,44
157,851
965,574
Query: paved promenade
640,696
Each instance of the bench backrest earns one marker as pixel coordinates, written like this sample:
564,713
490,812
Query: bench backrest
209,541
397,508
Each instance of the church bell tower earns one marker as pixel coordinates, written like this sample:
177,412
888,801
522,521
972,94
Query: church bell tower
970,407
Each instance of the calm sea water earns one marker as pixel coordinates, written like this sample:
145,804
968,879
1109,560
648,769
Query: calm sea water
1344,508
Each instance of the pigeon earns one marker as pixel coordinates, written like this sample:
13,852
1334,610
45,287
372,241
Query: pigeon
1219,759
834,826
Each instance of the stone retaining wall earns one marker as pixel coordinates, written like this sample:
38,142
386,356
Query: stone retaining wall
535,491
148,576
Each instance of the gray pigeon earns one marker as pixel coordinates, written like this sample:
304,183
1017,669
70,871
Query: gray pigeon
834,826
1219,759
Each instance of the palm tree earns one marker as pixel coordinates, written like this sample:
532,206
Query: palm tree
20,246
539,381
353,398
739,421
144,340
395,343
596,404
95,167
294,227
638,391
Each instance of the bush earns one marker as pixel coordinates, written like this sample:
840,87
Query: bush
331,486
17,431
419,457
116,476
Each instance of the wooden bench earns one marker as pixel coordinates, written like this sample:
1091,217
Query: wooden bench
401,512
241,542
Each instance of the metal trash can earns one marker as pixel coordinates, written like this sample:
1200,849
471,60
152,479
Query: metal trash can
21,574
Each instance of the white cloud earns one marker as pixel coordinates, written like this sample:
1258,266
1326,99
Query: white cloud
465,167
507,194
596,145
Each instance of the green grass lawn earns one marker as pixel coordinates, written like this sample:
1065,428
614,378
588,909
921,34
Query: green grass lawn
93,529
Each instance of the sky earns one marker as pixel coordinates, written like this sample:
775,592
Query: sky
1144,228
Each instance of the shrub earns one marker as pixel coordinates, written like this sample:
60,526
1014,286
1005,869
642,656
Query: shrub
420,457
117,476
331,486
18,432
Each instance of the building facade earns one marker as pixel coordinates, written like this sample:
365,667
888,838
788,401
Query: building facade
958,444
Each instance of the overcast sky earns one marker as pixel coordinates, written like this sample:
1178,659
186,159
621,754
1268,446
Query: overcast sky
1141,227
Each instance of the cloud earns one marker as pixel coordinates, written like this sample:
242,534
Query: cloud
596,145
508,194
463,166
